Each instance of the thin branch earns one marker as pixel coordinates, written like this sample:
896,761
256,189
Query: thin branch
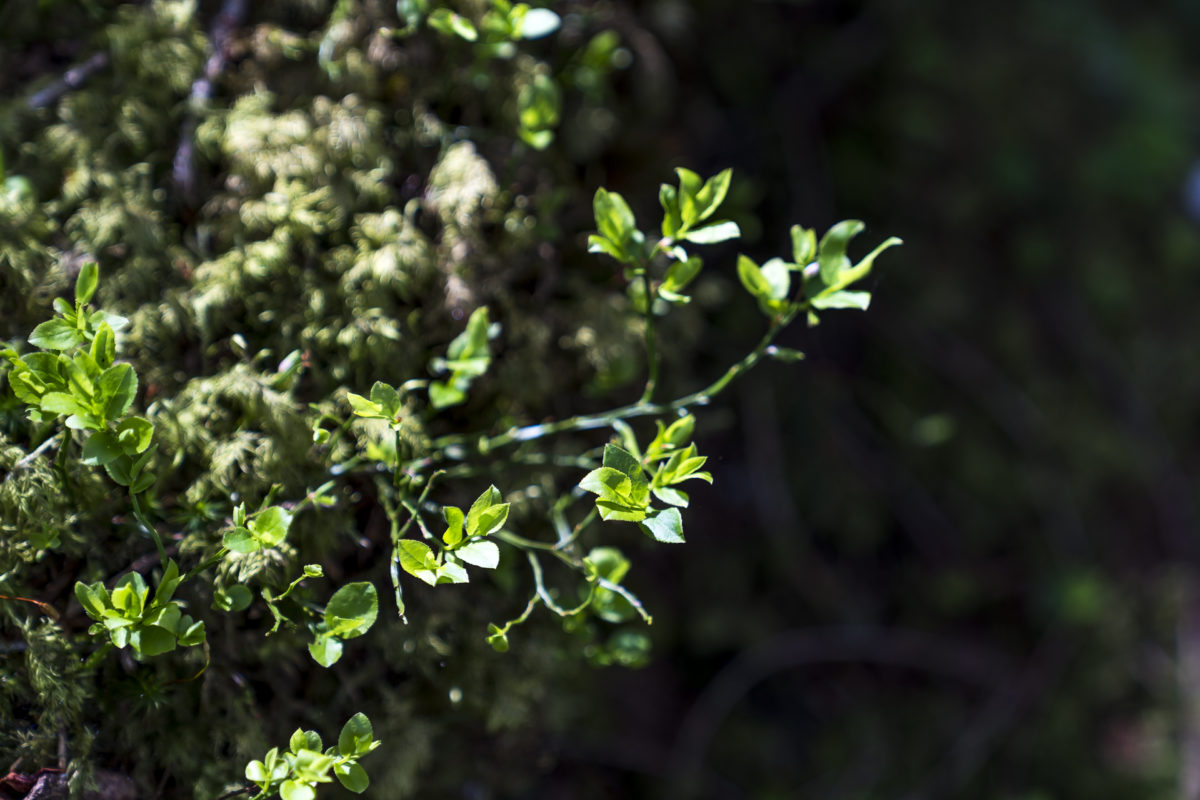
220,36
71,79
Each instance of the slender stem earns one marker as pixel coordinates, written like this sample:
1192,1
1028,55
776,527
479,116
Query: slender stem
639,409
523,543
628,595
651,343
145,523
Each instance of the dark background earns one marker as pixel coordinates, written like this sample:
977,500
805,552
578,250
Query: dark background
950,555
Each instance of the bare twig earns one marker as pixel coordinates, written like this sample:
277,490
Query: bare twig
230,16
71,79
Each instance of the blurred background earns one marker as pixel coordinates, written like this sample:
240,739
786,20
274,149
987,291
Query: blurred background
958,560
952,554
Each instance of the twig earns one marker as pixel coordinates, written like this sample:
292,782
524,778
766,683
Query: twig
220,35
32,456
71,79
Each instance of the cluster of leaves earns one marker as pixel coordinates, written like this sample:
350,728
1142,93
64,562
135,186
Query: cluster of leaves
150,626
75,379
463,542
295,773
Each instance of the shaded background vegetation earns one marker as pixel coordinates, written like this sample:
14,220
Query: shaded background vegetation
950,555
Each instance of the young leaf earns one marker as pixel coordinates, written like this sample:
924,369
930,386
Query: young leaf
85,284
752,278
831,255
352,610
842,299
356,736
480,554
712,234
134,434
100,449
614,220
271,526
240,540
489,498
325,650
417,560
55,334
710,197
446,21
665,526
454,525
352,776
804,246
623,461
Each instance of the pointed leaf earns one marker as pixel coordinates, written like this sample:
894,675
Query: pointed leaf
480,554
665,526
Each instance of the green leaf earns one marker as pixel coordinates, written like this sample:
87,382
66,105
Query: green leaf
752,278
55,334
607,483
134,434
599,244
152,641
104,345
668,198
417,560
119,384
680,274
614,219
168,584
863,268
256,772
497,638
608,562
362,407
232,599
352,776
86,283
710,197
777,276
325,650
454,525
60,403
442,395
712,234
490,498
804,246
93,598
352,610
100,449
623,461
119,470
356,736
240,540
670,496
451,24
193,633
620,511
831,255
842,299
482,554
665,526
386,398
689,186
271,525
